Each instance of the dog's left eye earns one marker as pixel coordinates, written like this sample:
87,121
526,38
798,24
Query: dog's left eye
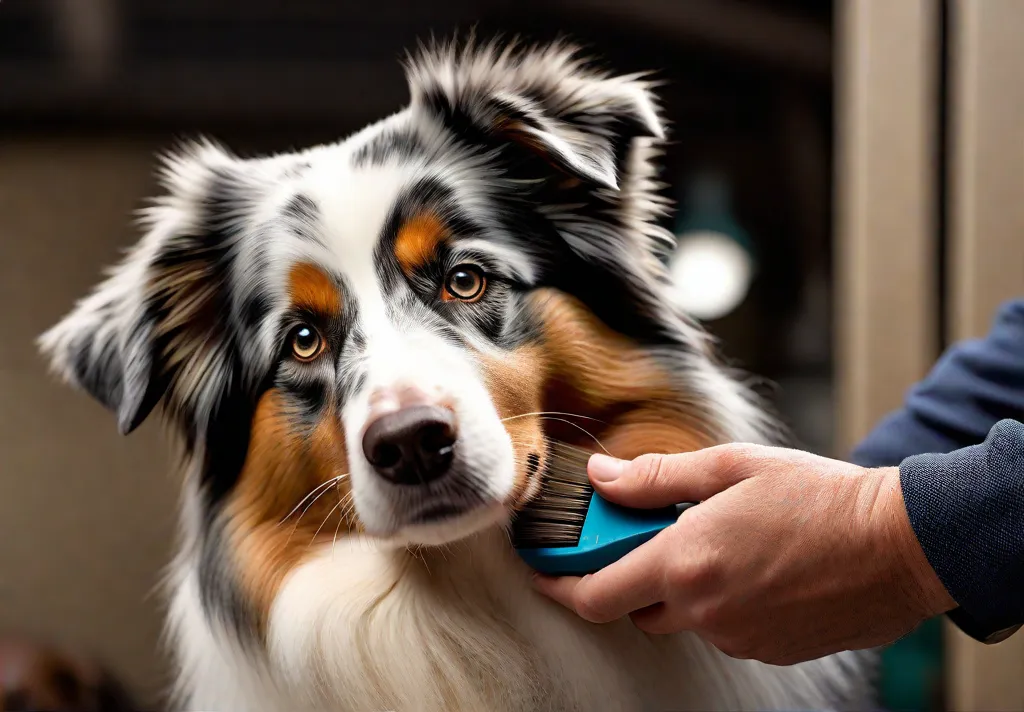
306,342
465,282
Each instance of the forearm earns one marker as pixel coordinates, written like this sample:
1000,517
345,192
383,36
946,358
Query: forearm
973,386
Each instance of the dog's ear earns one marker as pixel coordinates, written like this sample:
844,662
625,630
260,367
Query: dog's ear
545,100
104,346
151,326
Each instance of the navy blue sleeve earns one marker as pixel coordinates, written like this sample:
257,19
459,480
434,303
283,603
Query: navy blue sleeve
973,386
961,457
967,509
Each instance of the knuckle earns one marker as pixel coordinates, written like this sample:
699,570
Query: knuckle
708,616
649,470
735,456
727,457
588,607
719,461
700,573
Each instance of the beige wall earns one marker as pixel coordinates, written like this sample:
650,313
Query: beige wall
886,244
85,514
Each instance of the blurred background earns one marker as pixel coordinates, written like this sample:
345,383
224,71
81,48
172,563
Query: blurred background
848,176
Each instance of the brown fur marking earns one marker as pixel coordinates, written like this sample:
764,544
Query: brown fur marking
417,241
516,383
283,465
596,372
309,288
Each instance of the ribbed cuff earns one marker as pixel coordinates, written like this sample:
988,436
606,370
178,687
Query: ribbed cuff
967,509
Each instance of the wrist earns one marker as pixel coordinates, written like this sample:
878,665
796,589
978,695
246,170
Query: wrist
921,586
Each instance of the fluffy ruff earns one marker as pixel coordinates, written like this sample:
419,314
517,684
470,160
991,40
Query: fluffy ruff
492,249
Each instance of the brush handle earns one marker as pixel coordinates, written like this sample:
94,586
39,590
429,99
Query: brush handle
610,531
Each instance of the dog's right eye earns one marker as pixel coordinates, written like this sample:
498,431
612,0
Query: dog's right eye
466,283
306,343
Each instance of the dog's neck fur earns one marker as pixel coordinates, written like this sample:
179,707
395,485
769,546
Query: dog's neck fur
367,628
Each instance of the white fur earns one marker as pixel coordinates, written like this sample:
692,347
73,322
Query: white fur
365,628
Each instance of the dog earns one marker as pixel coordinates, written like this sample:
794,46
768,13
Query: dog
363,348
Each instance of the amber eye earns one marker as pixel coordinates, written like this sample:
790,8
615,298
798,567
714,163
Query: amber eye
466,283
306,342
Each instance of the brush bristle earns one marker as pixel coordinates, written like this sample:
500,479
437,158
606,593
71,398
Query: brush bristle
555,517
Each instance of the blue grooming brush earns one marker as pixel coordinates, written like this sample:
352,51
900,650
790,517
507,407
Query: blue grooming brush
569,529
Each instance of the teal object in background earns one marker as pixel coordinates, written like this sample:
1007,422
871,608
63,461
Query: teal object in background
912,670
609,532
707,207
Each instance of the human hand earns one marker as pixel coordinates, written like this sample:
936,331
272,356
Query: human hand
788,557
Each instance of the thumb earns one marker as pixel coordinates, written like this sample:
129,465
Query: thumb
661,480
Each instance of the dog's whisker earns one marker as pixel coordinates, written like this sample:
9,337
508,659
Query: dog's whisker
553,412
326,519
341,518
582,430
328,483
295,526
350,507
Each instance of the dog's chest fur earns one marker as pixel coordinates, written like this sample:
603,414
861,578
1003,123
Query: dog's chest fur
362,629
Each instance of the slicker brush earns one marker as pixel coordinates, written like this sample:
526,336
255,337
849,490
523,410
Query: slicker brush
569,529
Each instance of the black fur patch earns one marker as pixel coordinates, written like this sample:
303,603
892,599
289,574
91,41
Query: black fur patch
221,600
295,171
309,395
255,309
394,145
596,280
532,464
463,125
227,443
302,214
357,338
351,383
101,374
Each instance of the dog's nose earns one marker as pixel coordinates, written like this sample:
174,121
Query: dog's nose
412,445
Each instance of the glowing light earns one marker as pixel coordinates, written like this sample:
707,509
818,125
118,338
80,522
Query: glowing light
712,273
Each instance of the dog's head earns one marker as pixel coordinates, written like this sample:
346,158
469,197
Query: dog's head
377,335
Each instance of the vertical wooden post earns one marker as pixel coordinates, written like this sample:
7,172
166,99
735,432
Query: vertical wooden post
886,185
985,256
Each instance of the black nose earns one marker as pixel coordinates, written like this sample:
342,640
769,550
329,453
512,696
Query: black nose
412,446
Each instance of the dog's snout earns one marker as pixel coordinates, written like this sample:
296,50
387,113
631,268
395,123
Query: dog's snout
413,445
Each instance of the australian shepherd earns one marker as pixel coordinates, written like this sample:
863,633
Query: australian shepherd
363,347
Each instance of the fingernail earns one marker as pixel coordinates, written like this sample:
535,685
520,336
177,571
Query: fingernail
605,469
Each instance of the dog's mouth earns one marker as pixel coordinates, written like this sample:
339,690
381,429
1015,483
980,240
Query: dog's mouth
439,512
440,522
443,523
